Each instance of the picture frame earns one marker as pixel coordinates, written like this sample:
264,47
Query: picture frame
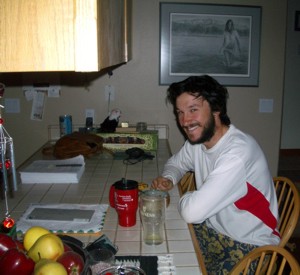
193,41
297,20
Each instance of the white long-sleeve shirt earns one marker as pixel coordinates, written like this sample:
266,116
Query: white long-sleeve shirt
235,193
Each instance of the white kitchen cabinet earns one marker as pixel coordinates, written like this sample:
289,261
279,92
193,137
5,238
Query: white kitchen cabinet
63,35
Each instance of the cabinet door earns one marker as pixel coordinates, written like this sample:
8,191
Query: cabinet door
63,35
113,34
36,35
101,33
87,31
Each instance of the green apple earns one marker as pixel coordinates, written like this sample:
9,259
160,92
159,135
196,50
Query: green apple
48,246
32,234
49,267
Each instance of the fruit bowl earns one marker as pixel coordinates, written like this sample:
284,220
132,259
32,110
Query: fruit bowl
76,248
101,243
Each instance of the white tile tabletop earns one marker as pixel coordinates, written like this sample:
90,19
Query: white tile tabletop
100,173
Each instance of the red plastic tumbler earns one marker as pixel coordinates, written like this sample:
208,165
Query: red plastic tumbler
124,198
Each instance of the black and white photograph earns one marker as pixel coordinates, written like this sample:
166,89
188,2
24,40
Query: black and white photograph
204,39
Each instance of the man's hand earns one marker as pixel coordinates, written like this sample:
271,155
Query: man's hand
162,183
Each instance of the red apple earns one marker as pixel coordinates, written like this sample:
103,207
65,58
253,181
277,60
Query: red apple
15,262
20,245
6,243
72,262
67,248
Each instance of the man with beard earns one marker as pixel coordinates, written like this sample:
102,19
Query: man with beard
234,207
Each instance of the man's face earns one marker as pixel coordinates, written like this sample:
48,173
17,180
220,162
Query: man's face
195,117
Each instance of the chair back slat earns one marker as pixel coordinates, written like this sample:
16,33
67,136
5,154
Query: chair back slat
288,207
270,263
247,267
269,260
282,266
287,215
260,263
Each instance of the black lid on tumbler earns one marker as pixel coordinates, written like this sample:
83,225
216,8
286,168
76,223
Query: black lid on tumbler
125,184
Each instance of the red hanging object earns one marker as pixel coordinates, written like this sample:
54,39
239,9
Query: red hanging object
7,164
6,148
7,224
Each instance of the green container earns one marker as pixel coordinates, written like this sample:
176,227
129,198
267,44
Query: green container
147,140
12,232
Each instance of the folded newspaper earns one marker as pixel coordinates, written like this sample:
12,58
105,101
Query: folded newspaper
54,171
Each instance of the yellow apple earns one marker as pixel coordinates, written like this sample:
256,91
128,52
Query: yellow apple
48,246
32,234
49,267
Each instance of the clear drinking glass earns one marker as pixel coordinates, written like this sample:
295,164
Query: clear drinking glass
152,207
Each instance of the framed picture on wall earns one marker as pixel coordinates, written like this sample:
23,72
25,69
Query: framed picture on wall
297,20
222,41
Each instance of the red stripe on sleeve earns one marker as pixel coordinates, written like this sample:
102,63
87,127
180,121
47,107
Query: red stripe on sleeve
255,203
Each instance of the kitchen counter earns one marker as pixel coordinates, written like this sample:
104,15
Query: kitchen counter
101,171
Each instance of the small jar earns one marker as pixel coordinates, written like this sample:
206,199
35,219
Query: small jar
141,126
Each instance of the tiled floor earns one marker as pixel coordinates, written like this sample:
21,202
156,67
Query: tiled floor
100,173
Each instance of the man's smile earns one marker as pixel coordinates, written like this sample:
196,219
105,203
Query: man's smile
191,128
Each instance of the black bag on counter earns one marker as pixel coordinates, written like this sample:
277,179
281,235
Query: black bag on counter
136,155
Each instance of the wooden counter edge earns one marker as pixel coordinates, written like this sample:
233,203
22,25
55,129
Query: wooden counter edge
186,184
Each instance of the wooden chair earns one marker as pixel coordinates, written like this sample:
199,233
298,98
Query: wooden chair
288,206
270,259
187,183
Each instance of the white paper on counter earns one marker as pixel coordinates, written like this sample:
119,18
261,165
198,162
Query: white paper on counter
54,171
93,226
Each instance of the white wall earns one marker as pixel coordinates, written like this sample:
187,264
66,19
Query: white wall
290,137
139,95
